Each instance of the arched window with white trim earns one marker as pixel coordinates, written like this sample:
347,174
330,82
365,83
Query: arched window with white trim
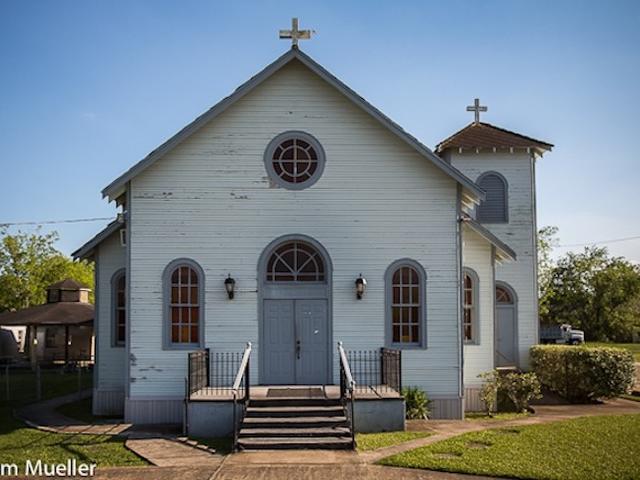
495,207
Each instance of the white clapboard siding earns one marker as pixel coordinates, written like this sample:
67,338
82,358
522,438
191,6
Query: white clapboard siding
210,200
479,356
110,366
519,233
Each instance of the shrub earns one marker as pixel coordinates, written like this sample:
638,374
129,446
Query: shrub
520,388
489,391
584,373
417,403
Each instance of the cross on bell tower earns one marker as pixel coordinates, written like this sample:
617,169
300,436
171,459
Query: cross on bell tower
477,108
294,34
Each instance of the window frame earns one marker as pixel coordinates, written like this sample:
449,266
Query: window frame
291,135
167,343
388,282
505,191
115,342
475,310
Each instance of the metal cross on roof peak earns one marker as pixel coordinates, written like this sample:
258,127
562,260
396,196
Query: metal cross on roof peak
477,108
294,34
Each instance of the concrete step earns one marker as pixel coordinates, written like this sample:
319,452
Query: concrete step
296,432
295,402
295,411
261,443
293,422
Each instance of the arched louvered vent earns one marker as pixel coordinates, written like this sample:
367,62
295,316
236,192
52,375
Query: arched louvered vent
494,208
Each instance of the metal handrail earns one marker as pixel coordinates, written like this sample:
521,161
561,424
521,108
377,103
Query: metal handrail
347,387
242,368
242,375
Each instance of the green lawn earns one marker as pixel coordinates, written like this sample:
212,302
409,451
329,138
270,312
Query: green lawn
632,347
373,441
605,447
19,443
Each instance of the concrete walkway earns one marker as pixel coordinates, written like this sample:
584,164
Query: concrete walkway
175,460
279,472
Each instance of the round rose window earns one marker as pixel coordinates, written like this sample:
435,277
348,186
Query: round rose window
294,160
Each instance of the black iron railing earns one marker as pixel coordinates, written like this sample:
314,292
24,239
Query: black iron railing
241,392
376,370
198,371
347,387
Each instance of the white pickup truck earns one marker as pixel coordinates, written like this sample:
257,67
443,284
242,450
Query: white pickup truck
563,334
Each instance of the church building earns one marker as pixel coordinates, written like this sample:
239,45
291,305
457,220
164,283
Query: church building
294,236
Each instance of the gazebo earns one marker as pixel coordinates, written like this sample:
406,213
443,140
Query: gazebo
60,330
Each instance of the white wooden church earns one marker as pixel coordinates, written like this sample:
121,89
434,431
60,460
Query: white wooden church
293,216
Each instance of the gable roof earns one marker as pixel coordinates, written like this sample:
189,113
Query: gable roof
61,313
503,251
484,135
116,188
86,251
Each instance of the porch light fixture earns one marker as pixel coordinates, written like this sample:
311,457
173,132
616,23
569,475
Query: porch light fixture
230,286
361,286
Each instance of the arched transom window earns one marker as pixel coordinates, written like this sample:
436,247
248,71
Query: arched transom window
494,208
295,261
120,308
185,315
406,305
503,296
294,160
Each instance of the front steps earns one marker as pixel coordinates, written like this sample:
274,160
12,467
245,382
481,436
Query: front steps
293,423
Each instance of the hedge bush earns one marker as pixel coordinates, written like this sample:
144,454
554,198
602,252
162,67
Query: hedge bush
417,403
584,373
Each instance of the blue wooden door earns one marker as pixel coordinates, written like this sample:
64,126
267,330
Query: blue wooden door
506,335
279,342
312,332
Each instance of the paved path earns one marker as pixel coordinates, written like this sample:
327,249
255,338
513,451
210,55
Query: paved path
164,452
177,461
279,472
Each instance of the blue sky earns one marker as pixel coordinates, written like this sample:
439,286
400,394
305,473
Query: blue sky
88,88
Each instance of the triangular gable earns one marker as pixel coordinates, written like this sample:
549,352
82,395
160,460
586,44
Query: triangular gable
116,188
483,135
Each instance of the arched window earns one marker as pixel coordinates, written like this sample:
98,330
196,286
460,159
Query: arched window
405,281
470,306
184,304
295,261
119,305
503,296
494,208
294,160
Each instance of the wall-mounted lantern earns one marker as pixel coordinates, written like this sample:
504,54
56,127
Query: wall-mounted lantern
361,286
230,286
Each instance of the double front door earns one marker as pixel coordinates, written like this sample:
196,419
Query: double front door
295,342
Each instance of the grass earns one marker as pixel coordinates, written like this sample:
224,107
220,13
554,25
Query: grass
633,398
632,347
19,443
373,441
500,416
606,447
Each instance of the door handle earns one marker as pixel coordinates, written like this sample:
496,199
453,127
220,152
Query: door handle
298,349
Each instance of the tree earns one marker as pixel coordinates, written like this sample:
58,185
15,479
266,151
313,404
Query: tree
547,240
29,263
595,292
